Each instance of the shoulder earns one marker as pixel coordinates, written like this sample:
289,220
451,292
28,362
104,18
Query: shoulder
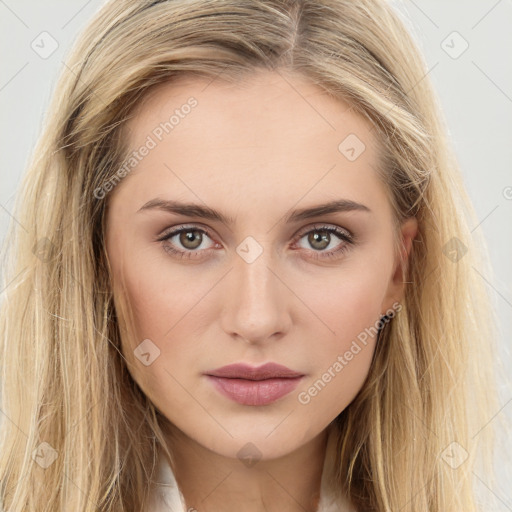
166,496
332,499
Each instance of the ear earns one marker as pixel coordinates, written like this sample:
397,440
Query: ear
395,292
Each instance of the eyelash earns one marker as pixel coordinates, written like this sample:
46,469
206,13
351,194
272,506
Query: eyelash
347,238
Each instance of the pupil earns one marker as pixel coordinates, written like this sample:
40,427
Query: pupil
323,239
188,238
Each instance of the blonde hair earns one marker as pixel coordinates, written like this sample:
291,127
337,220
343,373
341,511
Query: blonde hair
66,390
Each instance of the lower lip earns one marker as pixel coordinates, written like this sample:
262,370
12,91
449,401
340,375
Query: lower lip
254,392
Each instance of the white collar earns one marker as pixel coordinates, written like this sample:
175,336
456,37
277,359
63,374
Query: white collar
168,498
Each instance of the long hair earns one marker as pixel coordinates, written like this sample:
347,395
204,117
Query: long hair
77,432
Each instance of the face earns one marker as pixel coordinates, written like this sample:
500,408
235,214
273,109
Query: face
252,274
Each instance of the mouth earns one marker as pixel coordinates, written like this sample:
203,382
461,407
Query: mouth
254,386
254,392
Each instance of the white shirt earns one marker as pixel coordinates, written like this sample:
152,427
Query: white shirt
168,498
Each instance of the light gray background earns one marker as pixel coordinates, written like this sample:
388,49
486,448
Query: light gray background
475,89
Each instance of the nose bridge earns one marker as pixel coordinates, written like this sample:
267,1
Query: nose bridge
256,307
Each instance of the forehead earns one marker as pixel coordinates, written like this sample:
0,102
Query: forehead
258,100
267,133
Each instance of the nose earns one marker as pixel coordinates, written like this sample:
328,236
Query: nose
257,301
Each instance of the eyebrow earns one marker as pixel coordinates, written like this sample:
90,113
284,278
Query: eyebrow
196,210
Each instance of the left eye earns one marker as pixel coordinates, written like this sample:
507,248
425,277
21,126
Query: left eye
319,238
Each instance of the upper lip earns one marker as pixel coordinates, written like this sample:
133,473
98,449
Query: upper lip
245,371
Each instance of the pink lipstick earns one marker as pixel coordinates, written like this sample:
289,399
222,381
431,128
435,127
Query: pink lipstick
248,385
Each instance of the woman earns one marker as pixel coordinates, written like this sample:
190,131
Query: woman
248,279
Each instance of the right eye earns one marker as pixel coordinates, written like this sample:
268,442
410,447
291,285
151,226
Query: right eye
189,238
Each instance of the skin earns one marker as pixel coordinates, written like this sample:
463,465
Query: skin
255,151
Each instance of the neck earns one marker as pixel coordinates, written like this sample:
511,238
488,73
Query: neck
211,482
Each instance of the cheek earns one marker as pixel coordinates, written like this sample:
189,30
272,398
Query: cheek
155,294
349,306
348,300
155,303
159,320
